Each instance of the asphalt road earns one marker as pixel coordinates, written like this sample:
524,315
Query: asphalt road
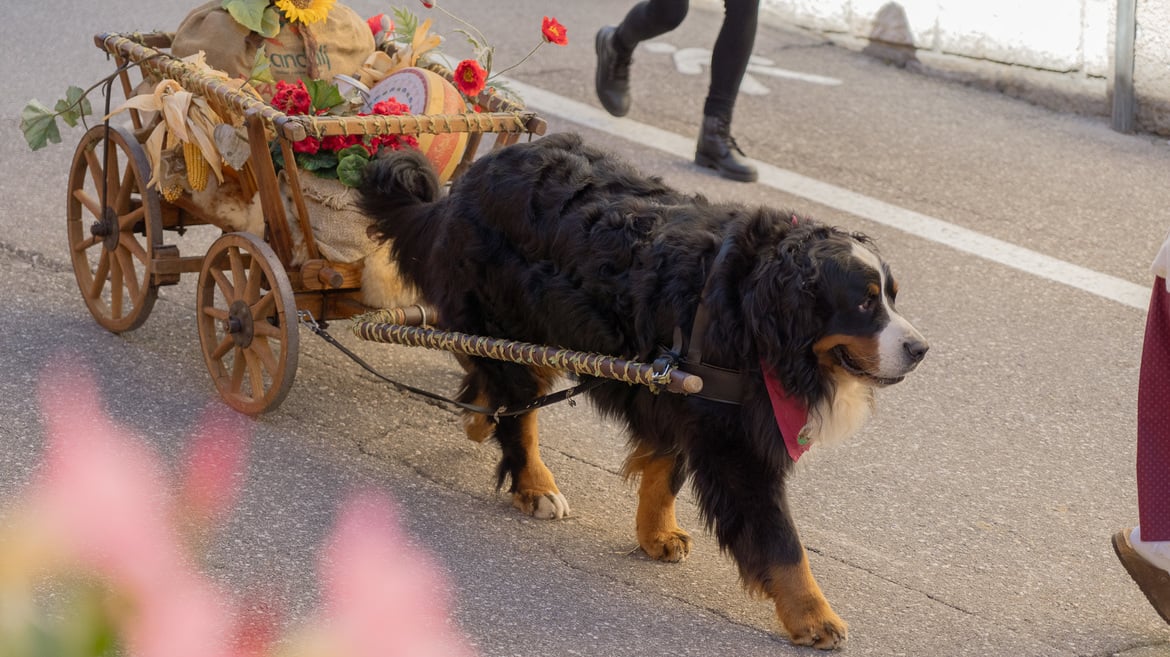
971,517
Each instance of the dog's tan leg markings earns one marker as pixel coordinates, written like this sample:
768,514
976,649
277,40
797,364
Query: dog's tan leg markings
658,532
802,608
478,426
536,490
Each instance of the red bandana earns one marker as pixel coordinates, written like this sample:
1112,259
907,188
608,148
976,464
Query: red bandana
791,414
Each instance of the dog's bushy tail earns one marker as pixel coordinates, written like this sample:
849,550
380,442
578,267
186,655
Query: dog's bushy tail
399,192
394,188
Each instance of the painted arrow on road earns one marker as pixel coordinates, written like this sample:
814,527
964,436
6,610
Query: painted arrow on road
690,61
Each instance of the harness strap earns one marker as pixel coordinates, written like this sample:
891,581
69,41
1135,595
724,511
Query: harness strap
494,414
719,383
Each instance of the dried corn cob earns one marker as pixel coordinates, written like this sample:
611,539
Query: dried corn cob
172,192
198,168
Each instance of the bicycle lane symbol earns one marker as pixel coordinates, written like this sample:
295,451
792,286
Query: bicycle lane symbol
690,61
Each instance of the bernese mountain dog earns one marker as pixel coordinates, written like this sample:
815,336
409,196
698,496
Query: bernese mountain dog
557,243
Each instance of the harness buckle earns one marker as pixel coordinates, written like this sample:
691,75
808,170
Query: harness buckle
306,317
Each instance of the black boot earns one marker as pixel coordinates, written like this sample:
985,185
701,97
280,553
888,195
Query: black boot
613,72
717,150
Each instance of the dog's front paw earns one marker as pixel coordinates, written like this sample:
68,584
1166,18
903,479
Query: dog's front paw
670,546
546,505
818,627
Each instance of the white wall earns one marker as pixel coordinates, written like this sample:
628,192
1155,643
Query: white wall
1054,52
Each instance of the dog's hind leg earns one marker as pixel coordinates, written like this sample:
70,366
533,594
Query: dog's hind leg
495,385
477,426
534,491
658,532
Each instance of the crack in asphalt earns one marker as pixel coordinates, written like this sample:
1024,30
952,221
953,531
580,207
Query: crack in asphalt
36,258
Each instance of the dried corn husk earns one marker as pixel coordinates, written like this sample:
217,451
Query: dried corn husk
186,119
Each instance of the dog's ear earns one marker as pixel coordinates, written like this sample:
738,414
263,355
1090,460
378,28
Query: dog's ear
780,307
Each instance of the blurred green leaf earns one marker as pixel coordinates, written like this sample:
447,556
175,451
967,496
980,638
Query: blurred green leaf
324,94
256,15
261,68
39,125
351,168
317,162
74,106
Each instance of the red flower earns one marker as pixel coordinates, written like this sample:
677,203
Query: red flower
337,143
391,107
308,145
429,4
470,77
380,23
292,98
554,32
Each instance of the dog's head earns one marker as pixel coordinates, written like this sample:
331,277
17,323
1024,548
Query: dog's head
825,305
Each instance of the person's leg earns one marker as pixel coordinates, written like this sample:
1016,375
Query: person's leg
729,61
647,20
615,48
730,56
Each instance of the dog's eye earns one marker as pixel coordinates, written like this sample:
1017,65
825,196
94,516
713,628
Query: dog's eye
868,303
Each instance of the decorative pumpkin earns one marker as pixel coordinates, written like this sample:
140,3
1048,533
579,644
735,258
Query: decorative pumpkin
427,92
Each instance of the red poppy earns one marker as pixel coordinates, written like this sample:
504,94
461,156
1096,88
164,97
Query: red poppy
554,32
428,3
470,77
380,24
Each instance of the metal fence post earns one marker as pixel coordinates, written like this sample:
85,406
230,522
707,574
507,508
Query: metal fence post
1123,94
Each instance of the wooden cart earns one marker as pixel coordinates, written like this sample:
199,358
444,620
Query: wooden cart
249,292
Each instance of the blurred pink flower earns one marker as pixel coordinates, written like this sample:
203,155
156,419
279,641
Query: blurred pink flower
101,506
217,455
102,495
382,596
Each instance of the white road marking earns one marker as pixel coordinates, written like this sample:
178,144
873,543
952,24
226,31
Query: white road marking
839,198
690,61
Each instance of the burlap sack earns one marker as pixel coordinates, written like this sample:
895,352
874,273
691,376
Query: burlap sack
340,231
344,41
338,224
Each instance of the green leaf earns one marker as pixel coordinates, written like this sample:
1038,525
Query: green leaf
356,149
317,162
256,15
261,68
405,23
324,95
74,106
277,154
269,23
39,125
351,169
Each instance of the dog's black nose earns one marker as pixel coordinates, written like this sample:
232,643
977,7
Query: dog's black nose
916,349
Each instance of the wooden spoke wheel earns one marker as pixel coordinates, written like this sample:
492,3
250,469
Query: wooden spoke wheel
247,323
113,226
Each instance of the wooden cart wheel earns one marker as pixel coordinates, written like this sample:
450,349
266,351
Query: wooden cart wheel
113,226
247,323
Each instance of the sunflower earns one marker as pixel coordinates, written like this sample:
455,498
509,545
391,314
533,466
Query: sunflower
305,11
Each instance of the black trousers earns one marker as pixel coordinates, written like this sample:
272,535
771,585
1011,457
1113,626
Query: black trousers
729,57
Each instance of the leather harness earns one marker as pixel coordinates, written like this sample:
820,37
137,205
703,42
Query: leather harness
719,383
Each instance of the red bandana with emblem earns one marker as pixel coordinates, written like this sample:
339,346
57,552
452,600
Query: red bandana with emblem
791,414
